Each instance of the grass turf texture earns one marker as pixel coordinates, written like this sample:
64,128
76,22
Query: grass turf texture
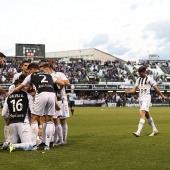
101,138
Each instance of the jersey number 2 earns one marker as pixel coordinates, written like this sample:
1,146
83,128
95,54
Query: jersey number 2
44,80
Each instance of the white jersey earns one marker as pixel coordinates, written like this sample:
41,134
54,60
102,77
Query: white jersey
62,77
144,85
16,76
64,112
11,88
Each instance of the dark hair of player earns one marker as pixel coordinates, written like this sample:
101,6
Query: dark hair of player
18,81
41,65
25,61
45,65
22,77
51,66
2,55
141,69
33,65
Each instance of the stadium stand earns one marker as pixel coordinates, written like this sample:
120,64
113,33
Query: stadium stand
78,72
94,71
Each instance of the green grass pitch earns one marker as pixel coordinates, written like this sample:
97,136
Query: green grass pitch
101,139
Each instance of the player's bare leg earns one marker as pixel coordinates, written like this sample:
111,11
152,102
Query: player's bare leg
141,123
64,129
151,123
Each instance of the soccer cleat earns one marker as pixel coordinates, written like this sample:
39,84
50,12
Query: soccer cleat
58,143
51,144
155,132
34,148
41,145
5,145
64,142
11,147
136,134
1,143
46,148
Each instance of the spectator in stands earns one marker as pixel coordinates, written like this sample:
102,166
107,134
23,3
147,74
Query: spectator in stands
2,57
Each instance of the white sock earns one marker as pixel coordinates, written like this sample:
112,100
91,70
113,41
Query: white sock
58,133
43,132
6,133
52,138
21,145
65,132
151,123
49,132
140,126
34,132
39,140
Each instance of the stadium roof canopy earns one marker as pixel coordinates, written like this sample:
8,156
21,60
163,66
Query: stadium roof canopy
87,54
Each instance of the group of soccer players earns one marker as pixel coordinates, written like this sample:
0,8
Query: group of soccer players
36,108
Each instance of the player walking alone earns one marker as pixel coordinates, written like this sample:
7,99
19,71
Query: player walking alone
144,83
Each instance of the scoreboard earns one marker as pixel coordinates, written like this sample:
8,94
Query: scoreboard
30,50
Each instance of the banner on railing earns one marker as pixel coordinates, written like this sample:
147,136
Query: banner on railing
108,87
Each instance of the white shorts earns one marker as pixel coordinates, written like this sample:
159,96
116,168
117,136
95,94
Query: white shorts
144,105
58,113
20,132
64,110
44,103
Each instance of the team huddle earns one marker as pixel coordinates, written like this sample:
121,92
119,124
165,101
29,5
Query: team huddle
36,109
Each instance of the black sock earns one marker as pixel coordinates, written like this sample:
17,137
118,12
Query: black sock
72,111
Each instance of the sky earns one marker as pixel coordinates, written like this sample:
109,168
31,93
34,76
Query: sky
128,29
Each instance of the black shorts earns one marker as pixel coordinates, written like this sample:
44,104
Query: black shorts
72,103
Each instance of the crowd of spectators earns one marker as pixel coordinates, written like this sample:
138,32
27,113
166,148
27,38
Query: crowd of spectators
120,98
77,71
115,71
85,71
151,70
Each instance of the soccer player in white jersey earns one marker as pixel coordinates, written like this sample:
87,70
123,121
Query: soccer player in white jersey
64,112
25,64
16,112
144,83
6,127
44,101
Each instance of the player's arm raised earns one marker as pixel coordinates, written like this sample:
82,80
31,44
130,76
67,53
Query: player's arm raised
67,82
3,91
158,92
64,79
19,88
133,90
23,84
